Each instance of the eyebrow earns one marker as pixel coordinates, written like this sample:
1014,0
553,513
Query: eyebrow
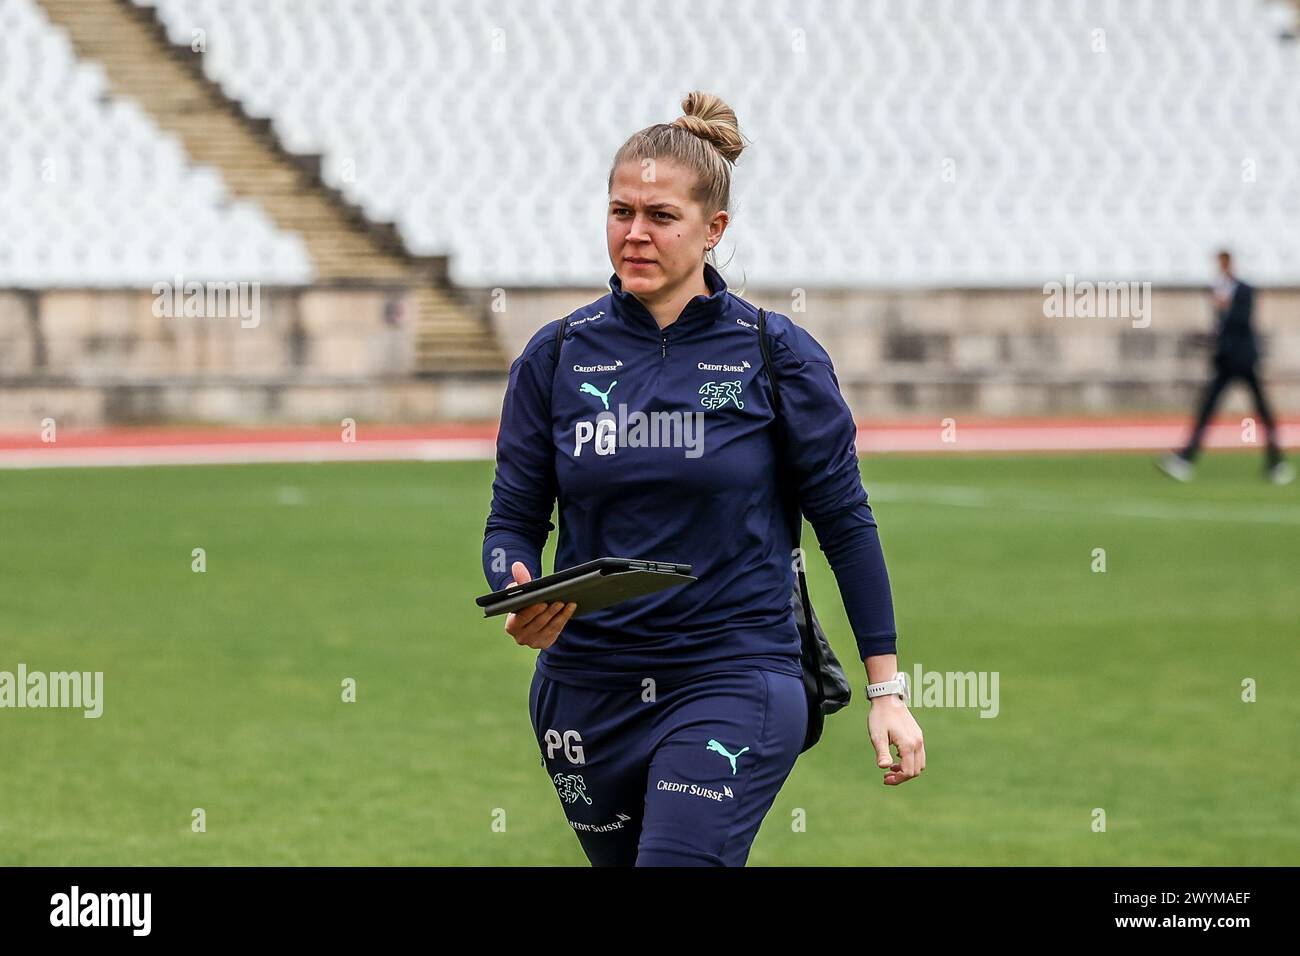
653,205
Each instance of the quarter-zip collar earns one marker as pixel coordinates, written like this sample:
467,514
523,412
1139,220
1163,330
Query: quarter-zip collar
699,311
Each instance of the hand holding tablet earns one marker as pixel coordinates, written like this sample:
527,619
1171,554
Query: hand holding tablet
539,609
537,625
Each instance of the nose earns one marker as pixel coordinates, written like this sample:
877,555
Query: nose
636,231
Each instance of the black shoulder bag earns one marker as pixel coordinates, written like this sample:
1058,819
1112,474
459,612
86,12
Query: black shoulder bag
824,681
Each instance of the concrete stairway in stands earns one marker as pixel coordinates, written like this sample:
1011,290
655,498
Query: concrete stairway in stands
345,247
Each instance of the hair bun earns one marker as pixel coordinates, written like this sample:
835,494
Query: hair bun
710,118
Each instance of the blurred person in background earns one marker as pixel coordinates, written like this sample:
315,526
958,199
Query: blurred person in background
1236,355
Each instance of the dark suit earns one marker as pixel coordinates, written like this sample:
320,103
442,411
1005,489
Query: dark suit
1236,355
1234,344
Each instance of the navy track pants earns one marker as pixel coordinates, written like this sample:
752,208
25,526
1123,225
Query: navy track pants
679,777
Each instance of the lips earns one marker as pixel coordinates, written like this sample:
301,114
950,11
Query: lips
639,262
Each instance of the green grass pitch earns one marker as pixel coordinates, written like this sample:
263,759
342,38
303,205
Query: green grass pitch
1118,690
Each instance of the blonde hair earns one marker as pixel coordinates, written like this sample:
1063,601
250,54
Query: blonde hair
705,139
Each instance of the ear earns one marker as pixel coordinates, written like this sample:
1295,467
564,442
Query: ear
717,226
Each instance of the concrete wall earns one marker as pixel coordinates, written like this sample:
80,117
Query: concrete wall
101,337
317,355
89,358
995,351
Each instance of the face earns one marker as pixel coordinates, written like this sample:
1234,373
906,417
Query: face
656,232
1225,264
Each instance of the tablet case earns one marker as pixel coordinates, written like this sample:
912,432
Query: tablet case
596,589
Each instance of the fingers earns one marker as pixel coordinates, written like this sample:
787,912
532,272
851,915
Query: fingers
551,632
534,632
525,616
520,622
910,762
908,753
880,740
540,629
896,727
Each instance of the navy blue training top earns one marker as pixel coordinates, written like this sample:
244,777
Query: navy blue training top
660,444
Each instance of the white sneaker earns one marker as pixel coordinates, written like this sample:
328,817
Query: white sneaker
1282,473
1176,467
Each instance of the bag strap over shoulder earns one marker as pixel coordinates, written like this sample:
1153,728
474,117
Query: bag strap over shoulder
770,367
767,360
559,342
813,657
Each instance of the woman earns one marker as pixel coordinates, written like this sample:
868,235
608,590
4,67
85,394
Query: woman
670,721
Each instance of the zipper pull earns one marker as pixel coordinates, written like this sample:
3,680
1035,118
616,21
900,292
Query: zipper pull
664,349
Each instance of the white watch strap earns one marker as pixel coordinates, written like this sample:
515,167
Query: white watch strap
896,685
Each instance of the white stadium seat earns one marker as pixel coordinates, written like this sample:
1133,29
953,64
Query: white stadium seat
102,196
896,142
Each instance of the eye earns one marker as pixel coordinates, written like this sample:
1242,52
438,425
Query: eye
667,216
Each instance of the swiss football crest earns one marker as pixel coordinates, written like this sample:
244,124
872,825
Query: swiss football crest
571,787
714,395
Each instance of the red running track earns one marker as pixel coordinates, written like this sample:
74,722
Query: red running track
199,446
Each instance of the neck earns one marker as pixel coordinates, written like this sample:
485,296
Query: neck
668,305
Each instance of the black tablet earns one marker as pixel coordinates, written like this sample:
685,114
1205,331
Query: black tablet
593,585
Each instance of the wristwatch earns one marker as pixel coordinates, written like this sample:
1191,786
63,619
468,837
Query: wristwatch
898,685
